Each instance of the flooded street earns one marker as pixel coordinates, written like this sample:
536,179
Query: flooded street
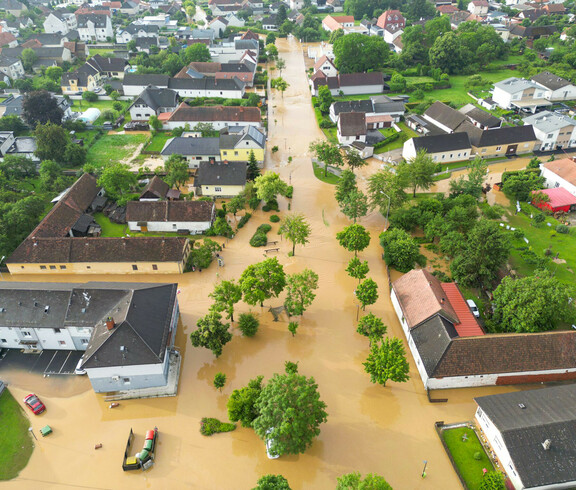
389,431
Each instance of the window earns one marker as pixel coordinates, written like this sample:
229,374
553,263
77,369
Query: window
84,341
498,148
43,267
62,267
154,267
548,136
3,341
217,189
27,334
134,267
52,267
57,330
525,145
61,342
174,226
225,152
126,381
235,153
88,267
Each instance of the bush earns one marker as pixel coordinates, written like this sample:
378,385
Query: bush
220,213
271,206
562,229
221,227
492,212
89,96
243,220
248,324
258,239
290,192
477,456
209,426
254,202
274,218
265,228
274,149
326,124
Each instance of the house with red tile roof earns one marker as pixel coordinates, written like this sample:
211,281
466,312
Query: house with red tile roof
451,350
391,19
332,24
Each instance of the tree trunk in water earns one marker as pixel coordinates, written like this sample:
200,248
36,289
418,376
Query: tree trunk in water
293,248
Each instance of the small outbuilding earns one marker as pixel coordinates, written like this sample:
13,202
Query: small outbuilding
560,200
89,116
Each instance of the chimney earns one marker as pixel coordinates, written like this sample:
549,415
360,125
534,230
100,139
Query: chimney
110,323
225,162
442,301
546,444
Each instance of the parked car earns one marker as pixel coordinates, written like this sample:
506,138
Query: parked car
473,308
34,404
269,443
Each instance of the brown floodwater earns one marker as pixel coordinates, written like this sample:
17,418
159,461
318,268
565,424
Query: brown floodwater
389,431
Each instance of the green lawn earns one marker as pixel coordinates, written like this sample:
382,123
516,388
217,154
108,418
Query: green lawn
319,173
114,147
158,141
101,51
109,229
331,134
463,454
16,443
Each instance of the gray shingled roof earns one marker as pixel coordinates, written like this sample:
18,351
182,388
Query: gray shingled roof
445,115
157,97
192,146
231,173
548,122
550,81
443,142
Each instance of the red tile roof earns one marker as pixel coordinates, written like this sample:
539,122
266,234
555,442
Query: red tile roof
565,168
467,326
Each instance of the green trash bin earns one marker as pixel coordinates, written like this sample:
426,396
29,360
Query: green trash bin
148,445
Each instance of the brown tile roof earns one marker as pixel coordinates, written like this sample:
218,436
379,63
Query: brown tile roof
182,211
508,353
332,23
351,79
6,38
321,61
34,43
565,168
156,187
420,296
204,67
250,35
352,123
215,113
75,250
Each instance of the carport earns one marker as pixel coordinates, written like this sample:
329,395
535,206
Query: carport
47,362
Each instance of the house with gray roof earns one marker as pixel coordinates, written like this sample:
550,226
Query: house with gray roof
533,434
185,217
480,118
442,148
152,102
380,111
194,150
133,31
351,127
11,67
220,178
557,88
94,27
554,131
520,94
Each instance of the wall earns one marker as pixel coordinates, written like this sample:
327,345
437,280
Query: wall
409,150
100,268
171,226
502,98
360,89
553,180
451,156
564,93
241,154
218,125
493,151
225,190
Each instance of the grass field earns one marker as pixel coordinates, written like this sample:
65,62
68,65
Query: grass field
319,173
109,229
158,141
16,444
463,453
331,135
101,52
113,148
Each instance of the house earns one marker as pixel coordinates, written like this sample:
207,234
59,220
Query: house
60,22
442,148
192,217
17,145
11,67
444,117
244,70
8,40
451,350
126,331
220,117
332,24
350,83
554,131
53,247
480,118
520,94
391,19
505,141
478,7
237,146
12,7
218,25
532,434
270,23
556,88
351,127
152,102
94,27
560,173
531,33
130,8
194,150
134,31
559,199
380,111
52,56
155,190
12,106
93,73
220,179
326,66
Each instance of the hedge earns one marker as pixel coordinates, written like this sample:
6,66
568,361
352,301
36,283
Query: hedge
511,173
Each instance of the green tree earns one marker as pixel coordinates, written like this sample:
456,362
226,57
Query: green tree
447,54
54,73
40,107
354,205
28,57
354,160
280,84
280,65
176,168
290,367
296,229
252,170
419,172
270,39
387,361
17,167
290,413
292,327
242,403
493,480
195,52
400,250
485,251
271,51
325,98
12,123
262,281
75,155
50,176
357,269
519,185
371,326
346,184
367,292
355,53
225,295
419,9
89,96
386,189
300,294
354,238
270,185
155,123
51,142
211,333
206,130
117,180
353,481
272,482
248,324
236,204
532,304
131,45
328,153
337,34
471,183
219,381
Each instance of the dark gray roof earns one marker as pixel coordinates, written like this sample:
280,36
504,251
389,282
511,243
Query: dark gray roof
432,338
549,413
484,118
150,79
8,60
205,84
168,211
231,173
442,142
83,223
506,136
157,97
99,20
251,44
550,81
146,42
383,103
100,63
192,146
353,106
445,115
133,28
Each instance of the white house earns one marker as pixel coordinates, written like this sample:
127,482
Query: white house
554,131
152,102
380,111
351,127
326,66
349,83
193,217
443,148
220,117
218,25
11,67
532,433
560,173
94,27
134,31
194,150
478,7
519,93
556,88
60,22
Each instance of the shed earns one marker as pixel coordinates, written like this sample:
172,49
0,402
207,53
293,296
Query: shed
89,115
560,200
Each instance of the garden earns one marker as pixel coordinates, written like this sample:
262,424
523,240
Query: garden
114,148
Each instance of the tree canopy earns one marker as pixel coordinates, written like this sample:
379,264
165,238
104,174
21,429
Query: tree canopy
51,142
262,281
367,292
269,185
419,172
242,403
400,250
225,295
356,53
212,333
272,482
300,294
354,481
354,238
296,229
117,180
176,169
328,153
387,361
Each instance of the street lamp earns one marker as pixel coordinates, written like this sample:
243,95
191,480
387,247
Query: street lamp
2,260
424,469
32,432
387,209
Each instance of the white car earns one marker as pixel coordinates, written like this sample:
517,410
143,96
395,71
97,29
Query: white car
269,442
473,308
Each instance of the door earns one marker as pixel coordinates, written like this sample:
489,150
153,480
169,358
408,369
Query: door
511,150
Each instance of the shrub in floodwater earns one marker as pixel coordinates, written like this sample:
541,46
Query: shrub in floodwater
244,219
248,324
274,218
292,327
209,426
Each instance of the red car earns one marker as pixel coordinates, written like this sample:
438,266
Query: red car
34,404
